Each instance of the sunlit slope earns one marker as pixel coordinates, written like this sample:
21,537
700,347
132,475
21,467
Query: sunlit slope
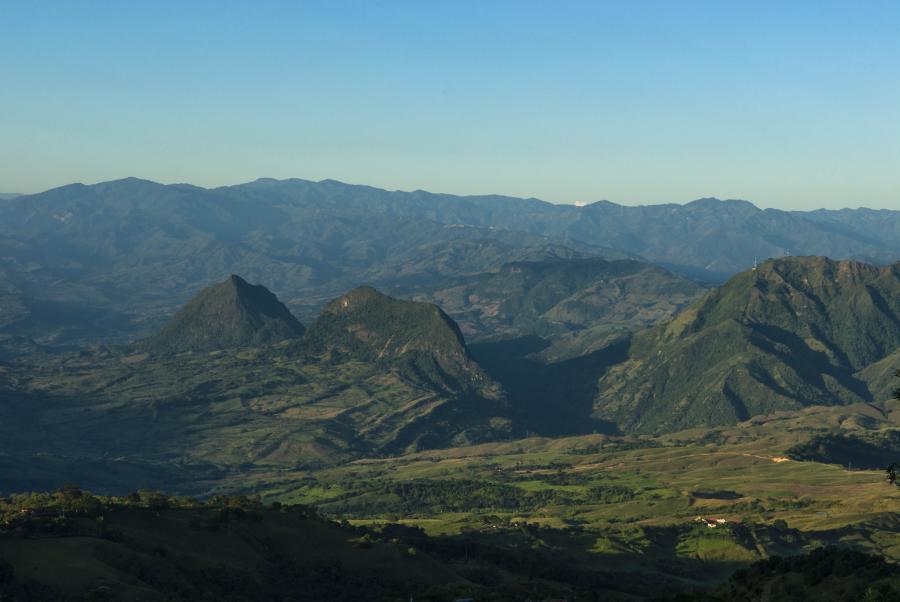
793,332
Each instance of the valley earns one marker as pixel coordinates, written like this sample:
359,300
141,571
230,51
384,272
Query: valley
594,517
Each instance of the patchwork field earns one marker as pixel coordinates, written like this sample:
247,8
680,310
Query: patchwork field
727,496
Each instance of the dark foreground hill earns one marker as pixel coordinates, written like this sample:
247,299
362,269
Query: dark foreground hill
137,249
792,333
229,314
72,545
828,574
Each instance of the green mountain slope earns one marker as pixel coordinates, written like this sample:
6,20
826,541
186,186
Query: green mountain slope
879,376
550,298
793,332
232,313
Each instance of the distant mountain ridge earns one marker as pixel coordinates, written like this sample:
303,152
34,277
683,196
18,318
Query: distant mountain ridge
142,248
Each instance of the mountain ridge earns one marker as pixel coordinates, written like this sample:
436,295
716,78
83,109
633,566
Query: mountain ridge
142,248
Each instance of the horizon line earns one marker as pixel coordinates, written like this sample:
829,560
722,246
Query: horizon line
576,204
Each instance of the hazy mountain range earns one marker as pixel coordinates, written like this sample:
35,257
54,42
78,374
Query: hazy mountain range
115,259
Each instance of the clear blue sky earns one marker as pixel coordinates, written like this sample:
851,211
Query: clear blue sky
792,104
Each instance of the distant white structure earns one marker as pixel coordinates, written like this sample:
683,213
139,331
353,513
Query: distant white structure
712,523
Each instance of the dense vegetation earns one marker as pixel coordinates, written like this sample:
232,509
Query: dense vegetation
870,453
827,574
794,332
544,518
151,546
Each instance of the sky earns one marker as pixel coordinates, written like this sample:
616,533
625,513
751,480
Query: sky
794,105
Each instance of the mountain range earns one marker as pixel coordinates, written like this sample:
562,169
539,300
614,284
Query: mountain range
234,379
485,319
114,260
601,412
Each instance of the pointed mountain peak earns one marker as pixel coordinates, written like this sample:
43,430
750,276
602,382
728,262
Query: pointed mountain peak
232,313
237,281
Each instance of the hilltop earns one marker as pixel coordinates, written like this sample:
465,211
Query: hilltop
229,314
791,333
420,338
